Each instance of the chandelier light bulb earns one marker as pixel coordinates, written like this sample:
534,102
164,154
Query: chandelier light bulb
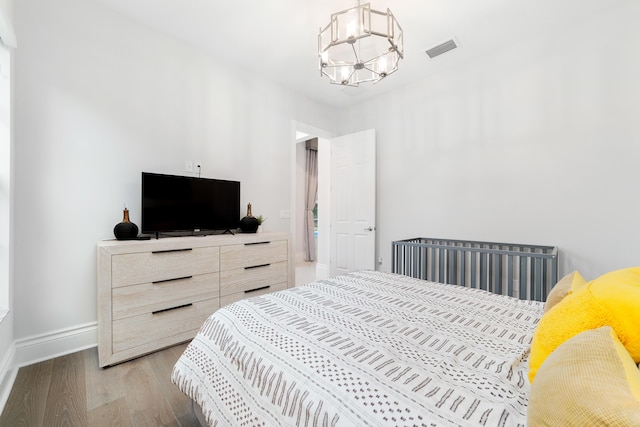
345,73
324,56
351,29
382,66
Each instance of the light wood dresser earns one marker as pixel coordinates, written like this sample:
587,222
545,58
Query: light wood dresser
156,293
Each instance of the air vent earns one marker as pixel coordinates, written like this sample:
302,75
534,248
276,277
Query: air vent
442,48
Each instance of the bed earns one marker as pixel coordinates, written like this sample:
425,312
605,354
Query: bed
364,349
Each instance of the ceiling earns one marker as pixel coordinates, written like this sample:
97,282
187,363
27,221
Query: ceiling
278,38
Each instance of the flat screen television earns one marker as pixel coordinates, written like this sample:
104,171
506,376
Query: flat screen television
172,203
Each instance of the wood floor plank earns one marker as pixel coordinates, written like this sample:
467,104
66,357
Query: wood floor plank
111,414
162,365
177,350
67,401
27,400
74,391
144,398
104,385
189,420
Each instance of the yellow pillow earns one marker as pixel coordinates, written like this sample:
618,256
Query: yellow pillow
565,286
619,293
589,380
610,300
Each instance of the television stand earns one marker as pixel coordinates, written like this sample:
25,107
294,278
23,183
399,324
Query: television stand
158,293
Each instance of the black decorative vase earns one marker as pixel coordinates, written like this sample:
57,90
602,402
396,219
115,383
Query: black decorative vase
126,230
249,224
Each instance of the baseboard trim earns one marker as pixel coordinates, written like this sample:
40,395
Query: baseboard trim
27,351
53,344
7,375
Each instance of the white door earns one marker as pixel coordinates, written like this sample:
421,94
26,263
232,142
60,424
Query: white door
353,202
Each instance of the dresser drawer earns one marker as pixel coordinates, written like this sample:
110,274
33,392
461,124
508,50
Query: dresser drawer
145,267
228,299
251,254
154,330
248,278
133,300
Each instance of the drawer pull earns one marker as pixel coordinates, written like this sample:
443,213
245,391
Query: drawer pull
171,280
172,308
257,243
256,289
172,250
257,266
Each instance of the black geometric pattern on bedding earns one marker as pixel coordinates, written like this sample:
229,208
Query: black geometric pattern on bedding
367,348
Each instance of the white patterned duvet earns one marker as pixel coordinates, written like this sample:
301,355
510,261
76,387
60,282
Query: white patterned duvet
363,349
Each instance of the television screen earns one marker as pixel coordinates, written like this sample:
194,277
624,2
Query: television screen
180,203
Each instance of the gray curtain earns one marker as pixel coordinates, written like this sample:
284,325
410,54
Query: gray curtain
310,199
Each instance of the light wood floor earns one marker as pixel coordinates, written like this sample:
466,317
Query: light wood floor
73,391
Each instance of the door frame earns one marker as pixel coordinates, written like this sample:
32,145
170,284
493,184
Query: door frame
322,269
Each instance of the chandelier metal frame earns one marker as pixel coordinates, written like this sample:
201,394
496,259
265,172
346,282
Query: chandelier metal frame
360,45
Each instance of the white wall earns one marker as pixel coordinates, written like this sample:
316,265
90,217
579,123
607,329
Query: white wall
535,144
100,99
5,171
6,195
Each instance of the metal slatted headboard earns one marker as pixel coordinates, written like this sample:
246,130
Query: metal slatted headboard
523,271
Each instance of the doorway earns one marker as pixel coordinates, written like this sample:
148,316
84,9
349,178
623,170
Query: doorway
346,225
310,271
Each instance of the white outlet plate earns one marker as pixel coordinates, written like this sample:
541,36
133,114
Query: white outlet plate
284,213
188,166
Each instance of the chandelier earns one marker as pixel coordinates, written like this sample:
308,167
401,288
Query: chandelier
360,45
